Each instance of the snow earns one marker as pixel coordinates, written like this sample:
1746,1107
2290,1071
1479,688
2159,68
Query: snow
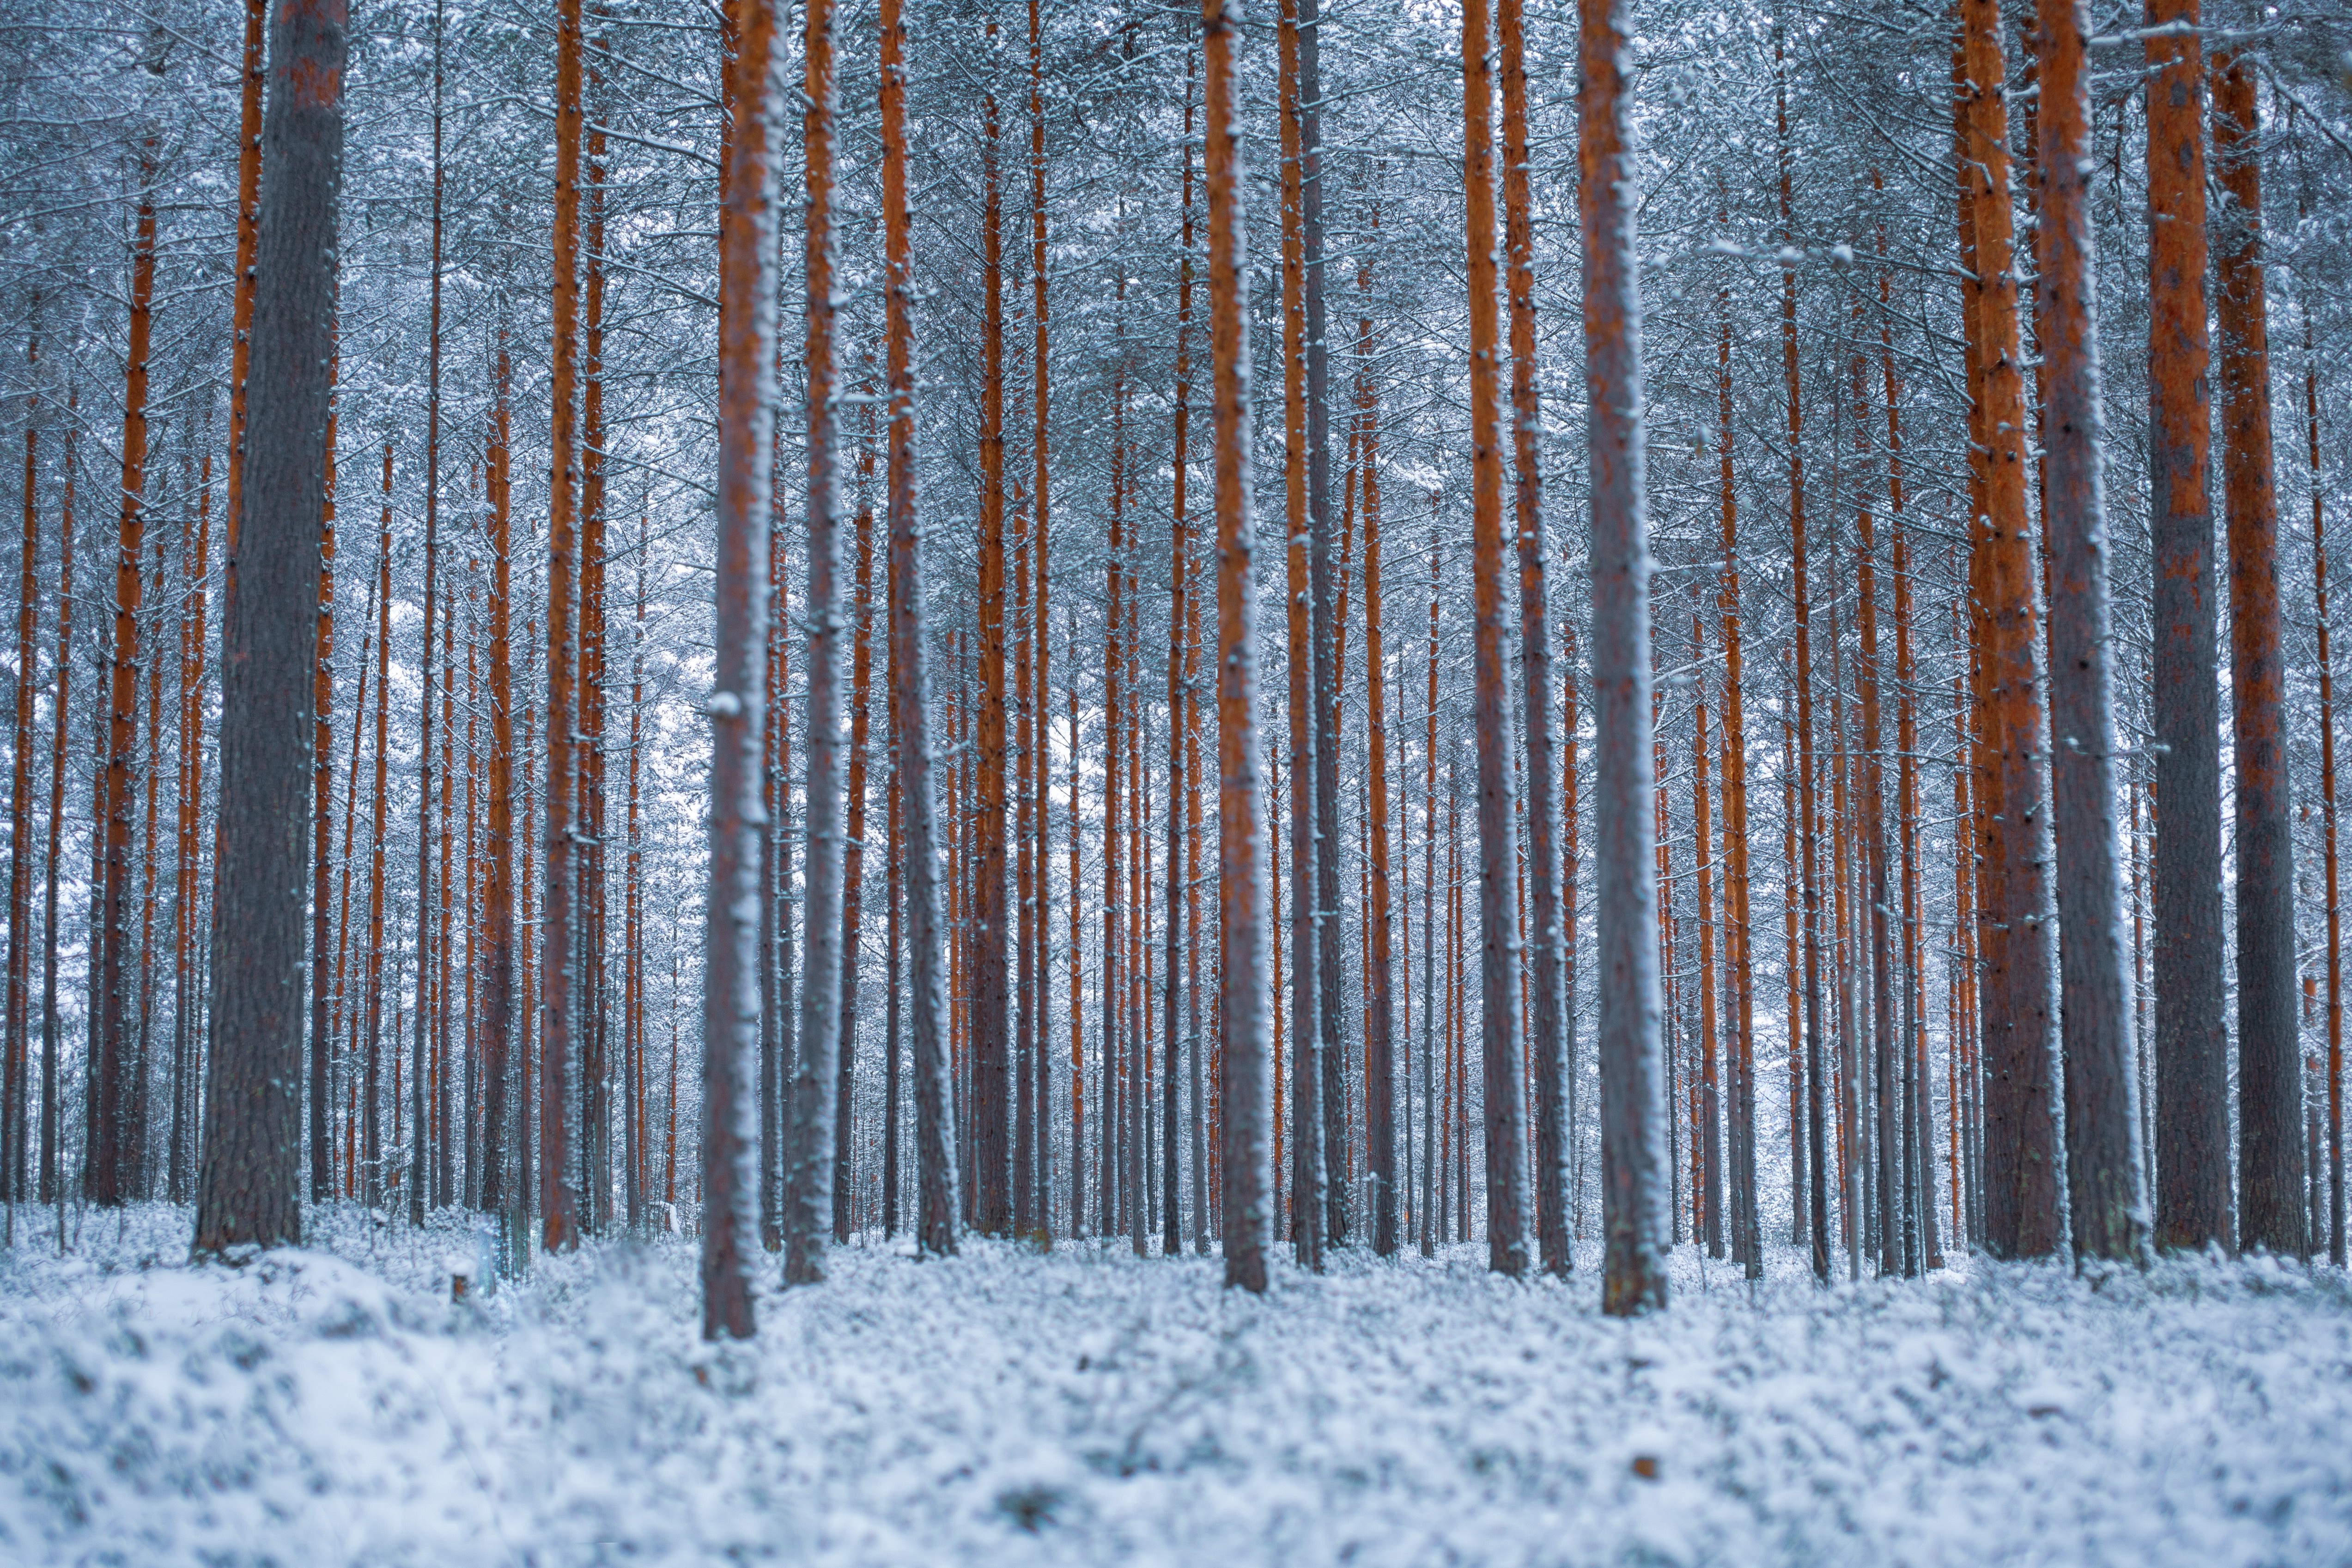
334,1406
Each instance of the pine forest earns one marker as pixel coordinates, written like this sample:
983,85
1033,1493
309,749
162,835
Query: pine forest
1075,784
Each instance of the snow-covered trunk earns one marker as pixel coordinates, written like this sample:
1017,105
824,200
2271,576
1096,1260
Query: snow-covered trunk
1633,1110
738,701
1243,987
1500,1020
808,1186
938,1210
2103,1184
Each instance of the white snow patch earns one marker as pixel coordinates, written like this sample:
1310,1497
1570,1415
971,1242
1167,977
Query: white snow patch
333,1406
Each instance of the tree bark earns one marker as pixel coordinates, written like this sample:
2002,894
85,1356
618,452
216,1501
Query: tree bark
2104,1187
251,1193
2013,832
2271,1204
738,705
809,1197
2192,1095
1548,1020
1500,1021
1240,838
938,1206
991,1013
559,1178
1309,1171
1630,1069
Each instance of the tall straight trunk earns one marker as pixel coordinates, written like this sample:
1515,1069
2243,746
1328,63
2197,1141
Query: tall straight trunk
251,1192
775,879
1500,1021
809,1197
499,847
1309,1171
938,1206
51,1189
1906,729
2106,1195
1706,1223
559,1188
1241,836
324,997
371,1040
2192,1046
419,1168
1026,1102
593,1157
14,1120
1811,1169
141,1182
737,704
634,917
343,990
1885,1073
2272,1211
1041,447
853,872
1182,752
1379,1047
1738,935
114,1159
1324,622
1548,1020
1431,1182
891,1076
991,994
2020,1131
1077,965
187,1089
1631,1067
1571,859
1112,1165
2328,809
444,1148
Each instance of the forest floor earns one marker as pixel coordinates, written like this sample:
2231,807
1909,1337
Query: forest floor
332,1406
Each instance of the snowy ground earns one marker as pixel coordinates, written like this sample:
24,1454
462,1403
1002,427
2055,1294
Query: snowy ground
332,1406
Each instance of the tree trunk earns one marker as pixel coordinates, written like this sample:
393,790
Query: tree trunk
418,1167
498,878
934,1130
52,1189
1241,835
2193,1096
1811,1170
14,1121
809,1197
736,705
1309,1173
2272,1212
991,1011
852,874
2327,807
2012,833
559,1182
1498,959
1631,1070
1549,1018
251,1193
2104,1187
1740,1004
